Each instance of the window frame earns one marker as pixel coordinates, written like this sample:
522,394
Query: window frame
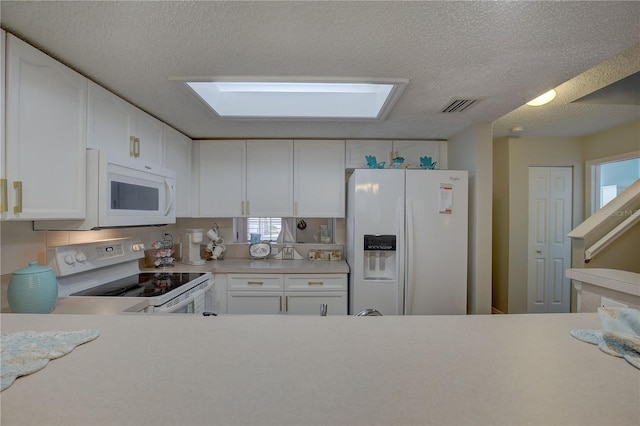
592,178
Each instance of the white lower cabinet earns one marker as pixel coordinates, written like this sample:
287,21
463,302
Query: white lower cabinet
286,294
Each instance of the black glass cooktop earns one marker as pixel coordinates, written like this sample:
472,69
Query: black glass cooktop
141,285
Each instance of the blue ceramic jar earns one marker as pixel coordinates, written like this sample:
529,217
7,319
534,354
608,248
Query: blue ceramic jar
33,290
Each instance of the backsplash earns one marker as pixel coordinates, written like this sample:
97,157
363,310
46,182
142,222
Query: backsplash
19,243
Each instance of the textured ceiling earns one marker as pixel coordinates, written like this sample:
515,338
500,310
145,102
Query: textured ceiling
503,52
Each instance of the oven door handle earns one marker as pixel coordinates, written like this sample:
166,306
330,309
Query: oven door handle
185,302
173,308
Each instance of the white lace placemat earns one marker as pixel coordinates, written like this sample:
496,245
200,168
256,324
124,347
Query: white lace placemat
26,352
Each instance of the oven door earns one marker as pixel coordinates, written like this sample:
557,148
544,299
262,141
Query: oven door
192,302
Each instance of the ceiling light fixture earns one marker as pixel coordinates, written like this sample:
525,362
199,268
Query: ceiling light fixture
296,98
543,99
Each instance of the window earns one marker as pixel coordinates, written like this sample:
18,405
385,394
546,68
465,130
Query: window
609,176
268,227
285,230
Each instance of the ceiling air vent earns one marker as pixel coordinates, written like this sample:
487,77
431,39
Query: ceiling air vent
460,105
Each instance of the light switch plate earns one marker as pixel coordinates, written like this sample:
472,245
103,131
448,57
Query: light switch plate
287,253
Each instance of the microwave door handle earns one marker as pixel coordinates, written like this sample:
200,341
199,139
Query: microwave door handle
171,192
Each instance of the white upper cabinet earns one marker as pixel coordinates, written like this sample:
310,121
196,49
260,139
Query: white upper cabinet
385,150
269,178
319,178
411,151
357,150
221,180
177,155
110,121
45,146
116,125
149,136
240,178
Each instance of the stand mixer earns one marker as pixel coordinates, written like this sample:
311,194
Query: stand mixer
191,247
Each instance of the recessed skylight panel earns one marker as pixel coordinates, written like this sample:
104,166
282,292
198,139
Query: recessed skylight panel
298,100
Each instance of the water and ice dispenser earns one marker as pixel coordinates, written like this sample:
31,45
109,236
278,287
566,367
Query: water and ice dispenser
380,257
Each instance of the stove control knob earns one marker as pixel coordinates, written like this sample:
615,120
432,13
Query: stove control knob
81,257
137,247
69,259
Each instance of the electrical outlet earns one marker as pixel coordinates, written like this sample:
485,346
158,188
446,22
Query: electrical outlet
287,253
608,303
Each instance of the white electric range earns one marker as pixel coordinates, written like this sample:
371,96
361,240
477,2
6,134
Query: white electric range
110,268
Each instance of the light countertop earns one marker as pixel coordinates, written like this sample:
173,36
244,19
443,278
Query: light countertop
262,266
286,370
114,305
613,279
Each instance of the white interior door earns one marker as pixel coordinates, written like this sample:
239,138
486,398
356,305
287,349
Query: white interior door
549,248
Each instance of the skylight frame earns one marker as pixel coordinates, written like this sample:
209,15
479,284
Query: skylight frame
397,87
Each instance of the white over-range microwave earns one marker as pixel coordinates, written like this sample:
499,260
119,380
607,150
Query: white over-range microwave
122,191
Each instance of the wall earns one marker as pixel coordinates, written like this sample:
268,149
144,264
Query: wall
620,254
512,157
619,140
471,150
609,143
19,243
500,240
522,153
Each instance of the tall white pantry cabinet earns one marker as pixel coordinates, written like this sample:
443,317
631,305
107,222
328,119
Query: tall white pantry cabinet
43,155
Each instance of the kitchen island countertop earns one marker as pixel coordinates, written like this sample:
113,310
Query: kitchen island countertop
286,370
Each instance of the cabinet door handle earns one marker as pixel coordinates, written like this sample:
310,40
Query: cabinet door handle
242,208
248,207
136,147
254,282
280,303
315,282
132,146
295,208
286,303
18,187
3,197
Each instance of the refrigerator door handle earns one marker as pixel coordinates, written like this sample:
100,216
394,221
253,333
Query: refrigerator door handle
409,281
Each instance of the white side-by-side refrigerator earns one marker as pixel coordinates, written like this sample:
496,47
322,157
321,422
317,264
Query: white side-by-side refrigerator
407,237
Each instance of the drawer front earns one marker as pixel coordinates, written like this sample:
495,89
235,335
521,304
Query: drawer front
310,302
316,282
255,282
255,303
